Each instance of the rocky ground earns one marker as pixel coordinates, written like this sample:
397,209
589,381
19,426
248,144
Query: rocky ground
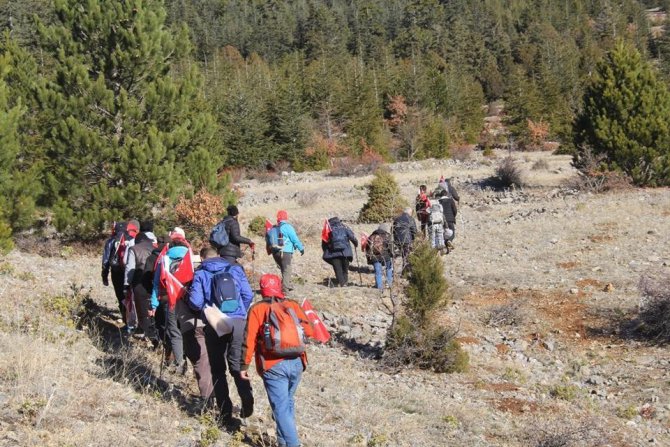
543,286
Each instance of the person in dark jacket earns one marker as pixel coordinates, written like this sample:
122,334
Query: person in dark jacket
380,255
225,349
450,210
134,280
232,227
337,251
404,232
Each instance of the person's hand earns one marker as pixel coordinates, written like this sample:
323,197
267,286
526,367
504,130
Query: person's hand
244,375
302,252
105,281
152,312
253,246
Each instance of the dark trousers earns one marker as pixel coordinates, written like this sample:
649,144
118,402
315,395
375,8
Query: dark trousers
168,329
341,268
221,350
283,261
117,282
196,351
452,227
142,306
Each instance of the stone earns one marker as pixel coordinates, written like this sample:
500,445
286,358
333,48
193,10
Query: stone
574,291
608,288
549,345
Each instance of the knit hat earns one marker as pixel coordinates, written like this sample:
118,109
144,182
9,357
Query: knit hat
282,215
133,227
178,234
271,286
232,210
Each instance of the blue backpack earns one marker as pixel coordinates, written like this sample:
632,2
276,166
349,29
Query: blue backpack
274,240
218,237
224,291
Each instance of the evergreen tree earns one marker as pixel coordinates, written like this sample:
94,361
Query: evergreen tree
384,199
626,116
122,129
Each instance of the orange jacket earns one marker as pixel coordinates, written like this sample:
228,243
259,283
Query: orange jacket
253,335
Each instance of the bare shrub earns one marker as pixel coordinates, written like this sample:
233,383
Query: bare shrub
282,166
461,153
594,176
199,213
307,198
540,165
508,314
509,173
565,433
265,175
655,308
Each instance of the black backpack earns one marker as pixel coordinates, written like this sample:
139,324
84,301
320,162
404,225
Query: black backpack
150,269
119,232
338,238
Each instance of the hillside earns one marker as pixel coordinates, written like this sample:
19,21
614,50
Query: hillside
543,284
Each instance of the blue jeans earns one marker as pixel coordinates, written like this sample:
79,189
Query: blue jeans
281,382
378,274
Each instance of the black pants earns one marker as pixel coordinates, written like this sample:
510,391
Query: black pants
117,281
225,352
142,306
341,268
168,329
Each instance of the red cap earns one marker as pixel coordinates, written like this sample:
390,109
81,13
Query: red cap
271,286
132,228
282,215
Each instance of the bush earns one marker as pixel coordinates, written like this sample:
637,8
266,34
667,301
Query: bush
6,242
427,288
384,199
540,165
72,307
257,226
461,152
594,175
508,173
199,213
509,314
655,308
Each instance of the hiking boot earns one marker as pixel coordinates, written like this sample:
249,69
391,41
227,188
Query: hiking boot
450,246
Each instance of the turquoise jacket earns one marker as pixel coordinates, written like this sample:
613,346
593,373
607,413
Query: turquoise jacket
291,240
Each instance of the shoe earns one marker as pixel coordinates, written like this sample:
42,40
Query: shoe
450,246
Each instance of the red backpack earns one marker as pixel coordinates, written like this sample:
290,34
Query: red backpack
283,335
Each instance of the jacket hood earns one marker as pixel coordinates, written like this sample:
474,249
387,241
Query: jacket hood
214,265
177,252
334,221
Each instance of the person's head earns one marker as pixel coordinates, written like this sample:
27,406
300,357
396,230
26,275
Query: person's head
282,215
133,227
407,211
271,286
423,188
384,227
146,225
207,252
233,211
177,235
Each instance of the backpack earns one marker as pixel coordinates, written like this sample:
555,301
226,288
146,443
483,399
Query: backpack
274,240
339,240
436,214
118,248
150,269
218,237
224,291
421,205
283,335
376,242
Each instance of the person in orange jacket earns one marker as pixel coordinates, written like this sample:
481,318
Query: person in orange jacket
281,374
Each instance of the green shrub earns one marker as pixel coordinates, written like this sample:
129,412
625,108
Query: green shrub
72,307
427,288
6,241
384,199
257,226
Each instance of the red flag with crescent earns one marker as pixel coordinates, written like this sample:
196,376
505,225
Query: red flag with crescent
321,333
364,241
325,232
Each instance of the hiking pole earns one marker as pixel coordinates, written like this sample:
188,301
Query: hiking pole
360,277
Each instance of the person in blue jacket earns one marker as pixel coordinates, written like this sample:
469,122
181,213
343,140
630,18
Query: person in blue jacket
284,257
228,347
337,250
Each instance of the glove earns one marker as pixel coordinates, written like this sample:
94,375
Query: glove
253,246
302,252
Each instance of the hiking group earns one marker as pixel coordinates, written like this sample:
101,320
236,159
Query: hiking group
204,311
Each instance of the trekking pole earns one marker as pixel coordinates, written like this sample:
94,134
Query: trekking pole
360,276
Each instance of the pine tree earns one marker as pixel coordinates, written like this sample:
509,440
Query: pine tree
384,199
626,116
123,130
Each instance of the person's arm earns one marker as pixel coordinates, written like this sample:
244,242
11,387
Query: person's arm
196,297
254,324
130,268
454,193
454,208
106,255
295,239
246,294
235,236
156,286
352,237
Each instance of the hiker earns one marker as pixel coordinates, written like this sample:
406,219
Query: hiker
221,282
275,323
379,254
404,233
192,328
283,257
166,318
422,206
232,227
448,201
445,185
337,249
134,280
114,260
437,220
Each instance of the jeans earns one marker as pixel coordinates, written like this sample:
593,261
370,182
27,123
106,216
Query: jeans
281,382
378,274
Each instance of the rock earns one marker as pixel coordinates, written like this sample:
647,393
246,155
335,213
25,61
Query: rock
574,291
549,345
596,380
608,288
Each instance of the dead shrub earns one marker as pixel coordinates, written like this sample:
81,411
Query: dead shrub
566,433
509,173
198,214
594,176
655,308
307,198
540,165
265,175
508,314
461,153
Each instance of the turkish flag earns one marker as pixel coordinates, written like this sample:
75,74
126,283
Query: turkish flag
173,287
320,332
325,232
185,271
131,311
364,241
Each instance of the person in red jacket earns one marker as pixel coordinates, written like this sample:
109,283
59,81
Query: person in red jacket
281,375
